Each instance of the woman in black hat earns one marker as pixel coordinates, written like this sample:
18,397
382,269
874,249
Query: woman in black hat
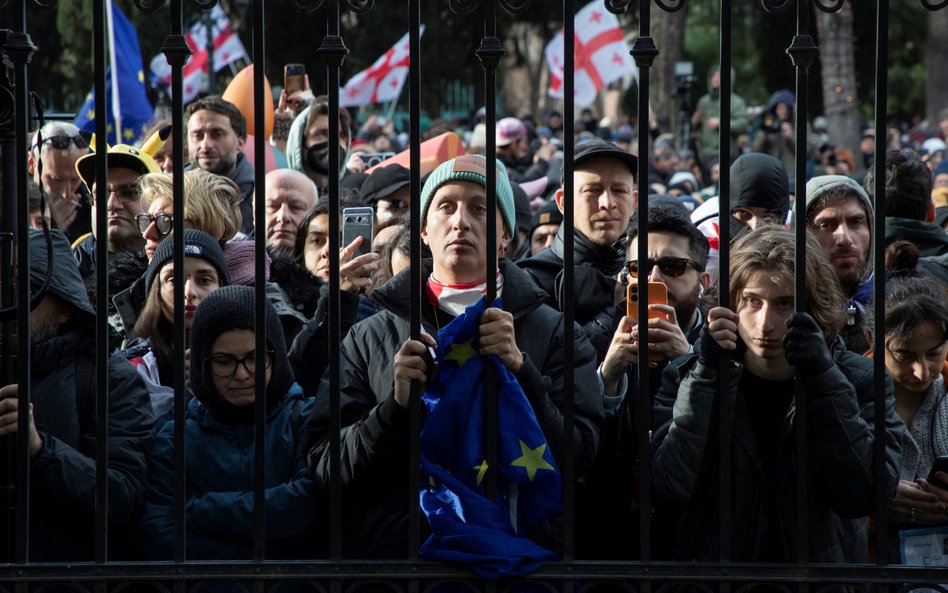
219,438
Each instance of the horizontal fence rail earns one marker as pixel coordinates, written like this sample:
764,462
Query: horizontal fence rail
337,569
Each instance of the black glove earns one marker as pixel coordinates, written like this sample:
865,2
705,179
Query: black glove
805,347
710,352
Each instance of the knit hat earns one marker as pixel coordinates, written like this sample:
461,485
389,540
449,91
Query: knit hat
227,308
508,130
548,213
242,265
473,168
196,244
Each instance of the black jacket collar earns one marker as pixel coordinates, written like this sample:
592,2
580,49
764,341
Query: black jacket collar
608,259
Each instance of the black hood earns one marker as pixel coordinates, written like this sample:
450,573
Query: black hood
64,279
759,180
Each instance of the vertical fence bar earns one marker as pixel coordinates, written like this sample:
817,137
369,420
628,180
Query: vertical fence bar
101,23
878,288
801,52
490,53
569,283
260,319
644,53
333,51
417,292
176,51
19,48
725,403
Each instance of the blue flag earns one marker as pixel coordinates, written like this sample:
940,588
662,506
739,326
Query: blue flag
466,526
134,111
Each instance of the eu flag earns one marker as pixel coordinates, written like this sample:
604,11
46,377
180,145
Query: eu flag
466,526
133,111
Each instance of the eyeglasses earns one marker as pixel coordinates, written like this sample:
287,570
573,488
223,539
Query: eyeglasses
163,222
62,142
225,366
125,193
669,266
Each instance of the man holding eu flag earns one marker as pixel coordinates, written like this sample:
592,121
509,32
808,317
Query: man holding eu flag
521,337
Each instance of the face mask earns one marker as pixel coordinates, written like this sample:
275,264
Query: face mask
317,158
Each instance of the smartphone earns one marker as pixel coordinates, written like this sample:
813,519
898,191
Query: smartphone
657,295
940,465
294,78
357,222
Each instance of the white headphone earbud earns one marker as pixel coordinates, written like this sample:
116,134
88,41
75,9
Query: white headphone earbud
700,291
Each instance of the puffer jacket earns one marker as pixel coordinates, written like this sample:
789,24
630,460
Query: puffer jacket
220,482
840,484
375,434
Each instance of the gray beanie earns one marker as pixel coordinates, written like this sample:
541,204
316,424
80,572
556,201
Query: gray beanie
196,244
473,168
227,308
817,187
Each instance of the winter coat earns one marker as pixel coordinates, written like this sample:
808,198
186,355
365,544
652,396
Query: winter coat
63,474
709,141
840,484
594,283
375,433
220,483
931,239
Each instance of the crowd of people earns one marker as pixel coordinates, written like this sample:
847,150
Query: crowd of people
766,353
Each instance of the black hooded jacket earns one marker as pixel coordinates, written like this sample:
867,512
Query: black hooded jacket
63,473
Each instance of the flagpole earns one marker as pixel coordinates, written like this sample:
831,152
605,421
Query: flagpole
116,107
391,108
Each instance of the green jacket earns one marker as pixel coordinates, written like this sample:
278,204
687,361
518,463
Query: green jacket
930,239
708,140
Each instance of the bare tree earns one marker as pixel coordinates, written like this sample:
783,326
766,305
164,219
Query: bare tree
668,31
936,66
839,77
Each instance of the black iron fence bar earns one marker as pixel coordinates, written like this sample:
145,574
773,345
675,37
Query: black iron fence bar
878,337
260,320
644,53
801,52
102,196
333,51
569,283
725,403
489,53
19,49
414,166
399,570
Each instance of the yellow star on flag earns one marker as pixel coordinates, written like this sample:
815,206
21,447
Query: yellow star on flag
141,76
531,459
90,114
431,482
108,128
461,352
481,470
128,133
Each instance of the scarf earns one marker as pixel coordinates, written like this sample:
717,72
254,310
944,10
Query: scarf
455,298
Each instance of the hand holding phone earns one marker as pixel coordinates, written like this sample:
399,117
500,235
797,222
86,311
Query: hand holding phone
940,465
294,78
657,295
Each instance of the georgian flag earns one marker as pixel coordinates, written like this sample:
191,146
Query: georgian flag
227,49
601,55
382,81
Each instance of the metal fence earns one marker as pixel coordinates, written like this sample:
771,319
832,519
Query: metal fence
335,572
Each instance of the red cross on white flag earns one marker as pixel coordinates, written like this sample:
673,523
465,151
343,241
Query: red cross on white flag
601,55
382,81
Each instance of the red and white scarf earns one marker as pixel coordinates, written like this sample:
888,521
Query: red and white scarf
455,298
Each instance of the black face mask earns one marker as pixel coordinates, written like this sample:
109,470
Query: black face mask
317,158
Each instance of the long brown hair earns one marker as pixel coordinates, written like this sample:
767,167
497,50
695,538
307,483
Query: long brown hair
769,248
153,324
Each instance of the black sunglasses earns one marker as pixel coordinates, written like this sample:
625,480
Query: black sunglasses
163,222
62,142
669,266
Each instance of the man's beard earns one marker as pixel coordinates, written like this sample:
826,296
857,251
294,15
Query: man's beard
685,307
44,329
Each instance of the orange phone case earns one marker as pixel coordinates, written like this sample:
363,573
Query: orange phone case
657,295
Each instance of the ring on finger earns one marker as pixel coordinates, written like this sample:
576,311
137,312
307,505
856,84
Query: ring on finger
912,514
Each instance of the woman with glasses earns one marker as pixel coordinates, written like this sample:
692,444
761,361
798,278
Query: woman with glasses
916,343
205,270
219,441
210,205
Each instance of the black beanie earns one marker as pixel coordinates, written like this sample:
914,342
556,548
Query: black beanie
227,308
196,244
